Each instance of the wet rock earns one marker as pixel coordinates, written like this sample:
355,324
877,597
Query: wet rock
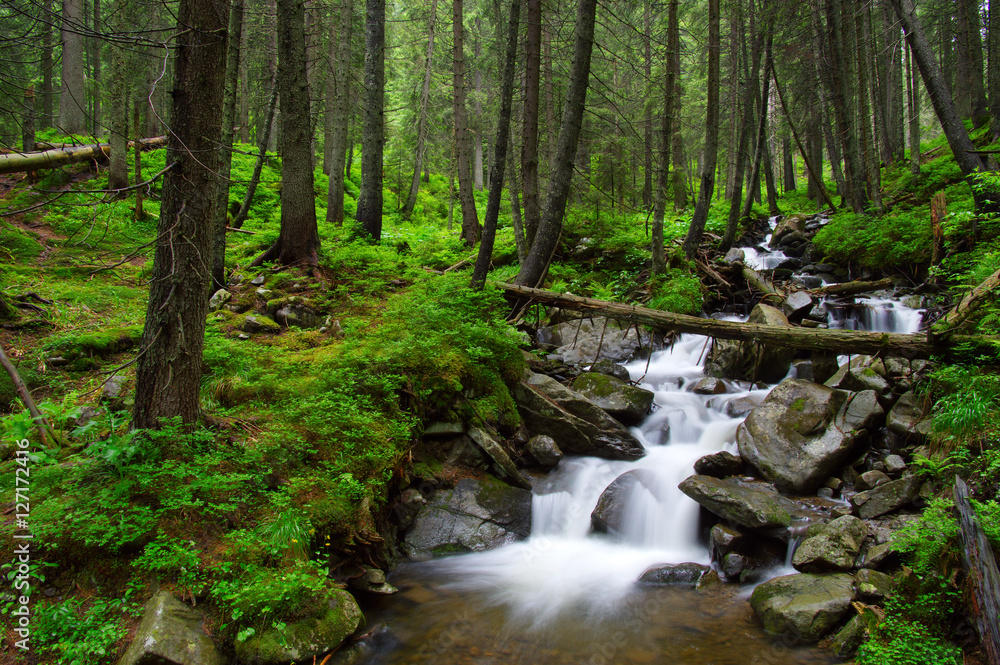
734,255
587,340
628,404
894,464
476,515
831,547
804,607
848,638
719,465
803,432
856,379
544,450
611,368
797,305
882,534
578,425
170,634
870,480
323,631
908,419
610,513
873,586
788,225
741,406
740,504
709,386
723,540
505,467
886,498
748,361
674,574
372,580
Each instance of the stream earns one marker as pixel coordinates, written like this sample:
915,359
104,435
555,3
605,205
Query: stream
568,595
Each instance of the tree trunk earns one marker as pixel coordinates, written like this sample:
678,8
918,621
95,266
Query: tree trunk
983,574
529,118
339,136
761,131
265,137
298,241
693,238
425,95
666,135
72,98
369,214
96,77
499,152
44,428
751,66
28,120
892,87
234,35
788,166
477,126
122,64
862,31
515,204
463,142
47,91
533,269
680,170
168,369
993,48
958,139
647,121
840,75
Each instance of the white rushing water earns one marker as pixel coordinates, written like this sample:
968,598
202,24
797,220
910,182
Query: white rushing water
563,565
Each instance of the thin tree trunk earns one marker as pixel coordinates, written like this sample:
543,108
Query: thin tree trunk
463,142
369,214
680,184
751,66
693,238
47,91
840,76
425,95
761,144
862,29
477,126
993,48
529,132
666,135
534,268
138,214
28,121
120,88
44,428
500,152
265,137
647,122
342,147
73,98
515,204
97,78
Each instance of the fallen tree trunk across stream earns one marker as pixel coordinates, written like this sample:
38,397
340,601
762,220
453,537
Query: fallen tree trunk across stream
838,341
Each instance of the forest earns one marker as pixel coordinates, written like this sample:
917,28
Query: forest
426,332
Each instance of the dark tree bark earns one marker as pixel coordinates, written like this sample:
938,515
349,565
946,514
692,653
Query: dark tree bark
647,121
72,98
168,369
841,77
265,137
463,141
233,38
666,135
96,74
47,91
341,103
913,112
476,127
298,241
529,118
970,93
892,89
369,214
425,95
697,228
862,32
958,139
788,166
499,152
533,269
120,87
993,48
760,147
679,179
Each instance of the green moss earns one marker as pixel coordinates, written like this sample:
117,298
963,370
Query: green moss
799,404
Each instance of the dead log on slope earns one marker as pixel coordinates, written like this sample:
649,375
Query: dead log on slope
837,341
973,299
981,567
56,157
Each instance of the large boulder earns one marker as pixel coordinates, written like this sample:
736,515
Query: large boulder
626,403
476,515
739,503
803,432
587,340
610,513
750,361
832,546
803,607
544,450
322,631
170,634
886,497
908,419
578,425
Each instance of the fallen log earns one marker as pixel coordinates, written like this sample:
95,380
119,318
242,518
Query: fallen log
971,301
837,341
981,567
852,288
44,428
56,157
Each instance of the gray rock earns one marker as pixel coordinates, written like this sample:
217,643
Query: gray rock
719,465
298,316
788,225
886,498
748,361
797,305
170,634
738,503
674,574
848,638
372,580
609,514
831,547
709,386
218,300
804,432
908,419
856,379
611,368
872,585
724,540
734,255
588,340
741,406
322,631
476,515
870,480
506,469
804,606
113,389
894,464
544,450
578,425
258,280
258,323
628,404
444,428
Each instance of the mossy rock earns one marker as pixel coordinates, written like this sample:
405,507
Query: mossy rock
258,323
82,352
322,631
